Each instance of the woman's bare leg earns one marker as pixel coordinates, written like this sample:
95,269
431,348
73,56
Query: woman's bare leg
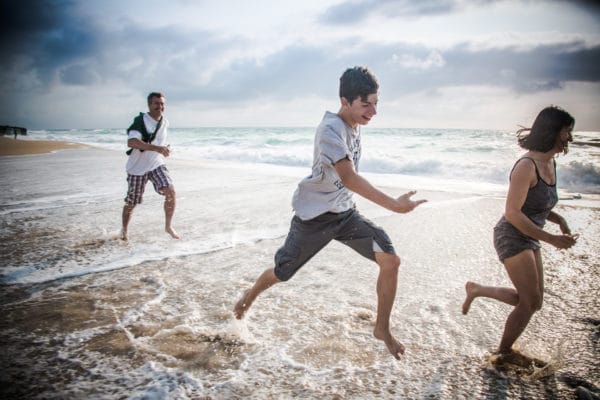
524,272
504,294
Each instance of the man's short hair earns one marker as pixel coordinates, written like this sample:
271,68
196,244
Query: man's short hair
357,82
154,94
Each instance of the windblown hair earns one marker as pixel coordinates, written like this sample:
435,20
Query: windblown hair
546,129
357,82
154,94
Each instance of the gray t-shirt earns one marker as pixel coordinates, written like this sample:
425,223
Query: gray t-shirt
323,190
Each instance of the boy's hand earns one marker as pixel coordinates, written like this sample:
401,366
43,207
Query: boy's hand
405,204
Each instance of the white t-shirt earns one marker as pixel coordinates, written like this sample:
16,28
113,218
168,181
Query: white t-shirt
142,162
323,190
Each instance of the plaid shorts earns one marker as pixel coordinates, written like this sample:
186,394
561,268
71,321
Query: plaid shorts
307,238
159,177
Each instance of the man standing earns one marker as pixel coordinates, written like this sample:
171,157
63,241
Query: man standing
147,139
324,208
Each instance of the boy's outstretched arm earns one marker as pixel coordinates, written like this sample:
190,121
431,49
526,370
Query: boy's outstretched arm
359,185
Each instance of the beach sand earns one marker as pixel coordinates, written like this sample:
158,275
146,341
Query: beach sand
15,147
85,315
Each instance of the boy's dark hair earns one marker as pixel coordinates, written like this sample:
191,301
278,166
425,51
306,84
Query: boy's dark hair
154,94
357,82
545,130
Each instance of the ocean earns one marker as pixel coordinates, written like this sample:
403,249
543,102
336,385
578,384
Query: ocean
446,159
86,315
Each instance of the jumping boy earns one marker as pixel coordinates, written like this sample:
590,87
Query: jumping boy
324,208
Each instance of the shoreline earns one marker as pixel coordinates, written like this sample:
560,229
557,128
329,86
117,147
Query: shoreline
16,147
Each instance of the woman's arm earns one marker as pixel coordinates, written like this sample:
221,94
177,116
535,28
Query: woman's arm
522,178
562,223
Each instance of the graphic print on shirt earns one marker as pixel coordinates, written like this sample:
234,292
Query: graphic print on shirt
355,150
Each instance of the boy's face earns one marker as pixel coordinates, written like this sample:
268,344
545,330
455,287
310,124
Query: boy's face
361,111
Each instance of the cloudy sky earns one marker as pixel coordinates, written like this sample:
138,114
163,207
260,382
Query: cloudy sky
440,63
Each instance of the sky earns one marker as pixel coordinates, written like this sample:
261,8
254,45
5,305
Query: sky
476,64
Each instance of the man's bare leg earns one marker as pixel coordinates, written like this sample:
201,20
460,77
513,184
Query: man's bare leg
169,207
126,218
504,294
264,281
386,293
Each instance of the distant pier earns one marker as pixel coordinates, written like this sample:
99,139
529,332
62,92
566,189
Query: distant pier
12,130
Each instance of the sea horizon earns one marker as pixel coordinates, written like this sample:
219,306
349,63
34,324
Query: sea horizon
445,157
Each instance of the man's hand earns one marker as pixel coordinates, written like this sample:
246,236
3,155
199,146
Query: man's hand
164,150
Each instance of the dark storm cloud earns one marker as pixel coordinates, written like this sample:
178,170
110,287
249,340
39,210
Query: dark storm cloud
352,11
536,69
78,75
292,72
299,71
46,42
591,6
39,36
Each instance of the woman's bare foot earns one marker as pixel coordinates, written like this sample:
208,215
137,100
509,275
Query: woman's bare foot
393,345
471,289
517,358
172,232
242,305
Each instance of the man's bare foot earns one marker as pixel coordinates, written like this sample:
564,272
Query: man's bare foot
124,235
242,305
393,345
172,232
471,289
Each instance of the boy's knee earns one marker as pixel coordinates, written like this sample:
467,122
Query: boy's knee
397,261
282,274
387,260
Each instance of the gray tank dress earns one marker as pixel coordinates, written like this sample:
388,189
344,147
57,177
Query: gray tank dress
541,198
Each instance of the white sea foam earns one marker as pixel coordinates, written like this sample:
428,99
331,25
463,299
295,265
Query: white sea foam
473,156
152,318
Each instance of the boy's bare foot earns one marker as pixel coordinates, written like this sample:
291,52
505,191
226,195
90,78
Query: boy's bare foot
393,345
471,289
124,235
242,305
172,232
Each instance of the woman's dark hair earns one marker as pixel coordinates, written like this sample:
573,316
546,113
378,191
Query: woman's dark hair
546,129
357,82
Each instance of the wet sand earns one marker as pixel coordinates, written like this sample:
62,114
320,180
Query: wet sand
15,147
164,328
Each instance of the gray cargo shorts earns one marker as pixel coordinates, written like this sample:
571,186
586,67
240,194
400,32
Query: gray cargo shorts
307,238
